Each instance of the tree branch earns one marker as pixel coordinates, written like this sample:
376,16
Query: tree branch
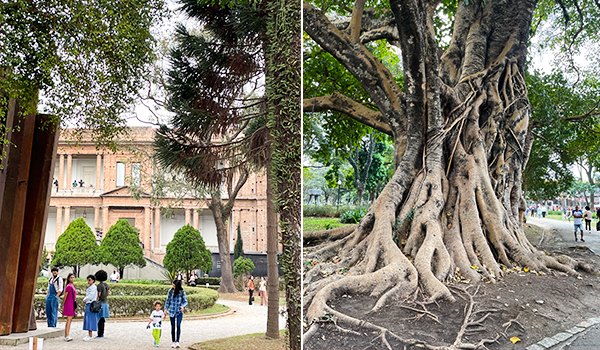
373,76
355,21
351,108
548,142
589,113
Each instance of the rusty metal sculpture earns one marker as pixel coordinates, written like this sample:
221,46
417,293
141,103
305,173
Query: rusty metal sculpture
25,183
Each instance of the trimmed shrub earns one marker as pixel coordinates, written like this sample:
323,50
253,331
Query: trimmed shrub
242,266
187,252
141,304
76,246
121,247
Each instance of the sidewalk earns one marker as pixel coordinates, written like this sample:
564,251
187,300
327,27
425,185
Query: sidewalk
559,234
134,335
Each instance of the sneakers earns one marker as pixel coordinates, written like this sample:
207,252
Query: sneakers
86,338
575,239
177,346
155,344
99,336
582,240
173,345
68,338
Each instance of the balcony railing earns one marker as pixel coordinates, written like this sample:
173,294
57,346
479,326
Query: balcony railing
74,191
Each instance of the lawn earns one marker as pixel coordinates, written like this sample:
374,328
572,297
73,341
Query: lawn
244,342
318,224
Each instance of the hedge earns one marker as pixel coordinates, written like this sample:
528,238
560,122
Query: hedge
121,288
136,301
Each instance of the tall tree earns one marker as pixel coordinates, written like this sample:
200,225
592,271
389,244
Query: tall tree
238,250
282,58
460,122
121,247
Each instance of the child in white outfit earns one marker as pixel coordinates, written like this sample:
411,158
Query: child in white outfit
156,318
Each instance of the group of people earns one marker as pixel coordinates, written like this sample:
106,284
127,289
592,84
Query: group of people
262,290
96,306
588,216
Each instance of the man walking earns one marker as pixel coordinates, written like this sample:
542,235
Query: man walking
55,289
577,215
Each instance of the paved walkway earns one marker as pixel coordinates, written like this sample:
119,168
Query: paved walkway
586,335
134,335
559,234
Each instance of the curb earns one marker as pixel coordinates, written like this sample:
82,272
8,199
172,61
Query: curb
562,339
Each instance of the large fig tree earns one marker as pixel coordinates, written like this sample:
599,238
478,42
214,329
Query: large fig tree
460,122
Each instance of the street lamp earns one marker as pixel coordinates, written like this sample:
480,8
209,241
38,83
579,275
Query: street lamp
339,185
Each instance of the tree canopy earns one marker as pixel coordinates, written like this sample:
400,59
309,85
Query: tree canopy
76,247
121,246
187,252
88,58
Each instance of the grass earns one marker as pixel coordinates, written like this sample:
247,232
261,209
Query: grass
257,341
131,281
320,223
215,309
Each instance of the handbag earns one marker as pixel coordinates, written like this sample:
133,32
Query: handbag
74,304
96,306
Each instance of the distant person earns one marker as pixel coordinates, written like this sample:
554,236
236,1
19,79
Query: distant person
569,214
251,289
90,319
179,276
577,216
103,293
115,277
544,211
589,215
56,184
174,307
262,291
80,183
69,304
539,212
75,183
193,279
55,289
156,318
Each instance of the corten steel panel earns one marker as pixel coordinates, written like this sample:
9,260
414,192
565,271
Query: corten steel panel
36,214
16,172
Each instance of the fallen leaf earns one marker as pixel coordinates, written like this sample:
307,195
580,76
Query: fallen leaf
526,269
514,340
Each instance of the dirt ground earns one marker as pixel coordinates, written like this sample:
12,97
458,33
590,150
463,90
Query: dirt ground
542,305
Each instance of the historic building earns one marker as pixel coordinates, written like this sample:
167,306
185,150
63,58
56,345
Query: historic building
95,185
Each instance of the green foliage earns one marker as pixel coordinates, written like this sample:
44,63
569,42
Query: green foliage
76,246
242,266
187,251
44,263
127,301
353,216
88,57
121,246
238,250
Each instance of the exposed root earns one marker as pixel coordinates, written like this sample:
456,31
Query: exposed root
314,237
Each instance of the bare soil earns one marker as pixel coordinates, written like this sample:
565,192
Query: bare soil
542,305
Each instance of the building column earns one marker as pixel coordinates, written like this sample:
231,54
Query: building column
59,222
105,224
67,216
98,171
96,218
196,217
61,172
188,216
156,228
147,232
69,167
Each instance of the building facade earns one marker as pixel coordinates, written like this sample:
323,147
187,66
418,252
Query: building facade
96,185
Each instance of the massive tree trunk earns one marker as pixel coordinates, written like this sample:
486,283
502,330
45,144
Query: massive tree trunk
460,126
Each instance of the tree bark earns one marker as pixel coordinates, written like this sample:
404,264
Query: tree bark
272,268
454,202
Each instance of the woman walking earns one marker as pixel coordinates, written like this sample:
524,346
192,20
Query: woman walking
262,291
103,292
69,304
90,319
174,306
